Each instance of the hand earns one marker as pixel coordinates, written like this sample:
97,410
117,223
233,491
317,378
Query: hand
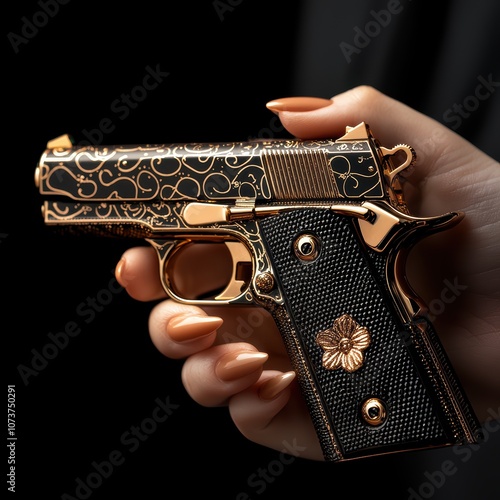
238,360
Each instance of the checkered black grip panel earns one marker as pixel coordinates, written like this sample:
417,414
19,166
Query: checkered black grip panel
344,280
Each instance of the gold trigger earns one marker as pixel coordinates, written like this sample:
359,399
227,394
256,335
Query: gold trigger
242,270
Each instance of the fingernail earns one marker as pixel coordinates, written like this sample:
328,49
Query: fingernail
182,328
298,104
232,366
273,386
123,277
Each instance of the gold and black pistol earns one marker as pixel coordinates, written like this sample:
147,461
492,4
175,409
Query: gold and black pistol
317,233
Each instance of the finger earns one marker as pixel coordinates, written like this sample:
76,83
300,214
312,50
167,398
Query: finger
199,270
446,164
180,330
253,325
213,376
138,273
391,121
388,117
194,271
272,413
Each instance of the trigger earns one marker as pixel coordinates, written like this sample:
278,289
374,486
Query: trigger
241,270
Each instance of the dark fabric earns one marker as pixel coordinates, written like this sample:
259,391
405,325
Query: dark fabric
435,57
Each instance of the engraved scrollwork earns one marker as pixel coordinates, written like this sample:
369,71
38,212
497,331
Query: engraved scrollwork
168,172
355,178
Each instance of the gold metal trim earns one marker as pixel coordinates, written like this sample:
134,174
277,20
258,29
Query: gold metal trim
343,344
37,176
61,142
202,214
357,133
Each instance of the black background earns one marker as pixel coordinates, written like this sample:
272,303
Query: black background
223,66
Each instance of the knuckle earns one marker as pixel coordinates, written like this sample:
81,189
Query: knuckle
366,94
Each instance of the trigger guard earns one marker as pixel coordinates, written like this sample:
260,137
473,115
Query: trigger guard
164,248
235,277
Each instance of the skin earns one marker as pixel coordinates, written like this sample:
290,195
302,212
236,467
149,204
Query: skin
450,175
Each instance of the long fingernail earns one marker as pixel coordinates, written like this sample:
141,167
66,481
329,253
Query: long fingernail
123,276
273,386
298,104
232,366
183,328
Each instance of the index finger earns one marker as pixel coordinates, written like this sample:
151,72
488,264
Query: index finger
138,272
195,271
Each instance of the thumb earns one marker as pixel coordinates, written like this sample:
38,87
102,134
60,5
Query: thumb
445,160
391,121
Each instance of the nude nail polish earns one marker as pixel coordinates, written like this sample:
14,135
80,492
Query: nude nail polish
123,277
298,104
232,366
183,328
272,387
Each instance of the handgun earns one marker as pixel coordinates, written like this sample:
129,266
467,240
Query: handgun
317,232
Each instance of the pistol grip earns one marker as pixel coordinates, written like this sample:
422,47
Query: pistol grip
368,378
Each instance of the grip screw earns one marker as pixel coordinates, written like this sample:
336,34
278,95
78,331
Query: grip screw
306,247
373,411
264,282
